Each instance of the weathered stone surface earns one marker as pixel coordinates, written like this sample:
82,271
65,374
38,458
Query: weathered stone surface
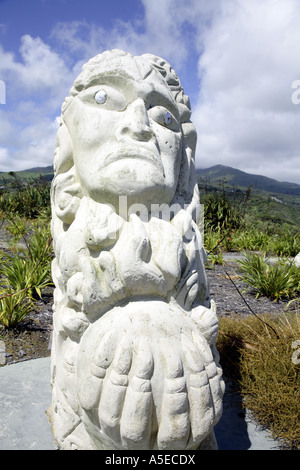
134,362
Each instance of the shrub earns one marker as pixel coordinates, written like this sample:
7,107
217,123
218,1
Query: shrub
39,248
286,244
14,307
220,213
26,199
23,277
275,281
17,227
252,240
24,274
215,259
212,238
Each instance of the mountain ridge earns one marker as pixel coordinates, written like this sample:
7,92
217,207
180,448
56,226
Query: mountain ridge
208,177
212,176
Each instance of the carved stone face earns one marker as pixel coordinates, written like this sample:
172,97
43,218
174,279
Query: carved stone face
134,357
126,138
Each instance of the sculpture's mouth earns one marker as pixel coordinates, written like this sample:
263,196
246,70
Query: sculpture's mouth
137,153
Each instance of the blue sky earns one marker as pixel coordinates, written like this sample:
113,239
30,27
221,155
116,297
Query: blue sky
237,60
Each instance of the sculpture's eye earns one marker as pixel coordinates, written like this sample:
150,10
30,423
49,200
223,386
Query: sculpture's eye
101,96
164,117
107,98
168,118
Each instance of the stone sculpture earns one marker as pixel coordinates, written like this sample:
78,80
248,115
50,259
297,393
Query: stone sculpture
134,360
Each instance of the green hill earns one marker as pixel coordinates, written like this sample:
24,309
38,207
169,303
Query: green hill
207,177
45,171
271,201
242,180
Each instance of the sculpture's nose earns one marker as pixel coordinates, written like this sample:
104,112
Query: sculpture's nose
135,124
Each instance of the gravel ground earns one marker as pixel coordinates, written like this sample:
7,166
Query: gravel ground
31,339
227,290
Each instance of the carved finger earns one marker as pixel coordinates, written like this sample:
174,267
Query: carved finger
174,423
200,400
213,375
113,392
137,412
203,348
90,388
216,389
104,353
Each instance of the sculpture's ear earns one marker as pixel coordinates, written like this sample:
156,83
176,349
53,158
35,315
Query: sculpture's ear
187,177
66,191
63,153
66,194
190,136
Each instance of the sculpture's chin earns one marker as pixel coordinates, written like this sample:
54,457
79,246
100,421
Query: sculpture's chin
147,379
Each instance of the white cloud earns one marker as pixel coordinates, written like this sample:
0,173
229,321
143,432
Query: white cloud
247,54
170,29
36,85
28,146
245,116
40,76
40,68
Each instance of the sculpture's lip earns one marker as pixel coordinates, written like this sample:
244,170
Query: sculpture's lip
140,153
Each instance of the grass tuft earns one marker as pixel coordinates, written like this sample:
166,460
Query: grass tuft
267,369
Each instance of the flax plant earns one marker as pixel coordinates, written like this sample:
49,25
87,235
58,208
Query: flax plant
24,276
276,281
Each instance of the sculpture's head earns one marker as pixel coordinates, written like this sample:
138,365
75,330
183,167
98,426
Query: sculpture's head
128,131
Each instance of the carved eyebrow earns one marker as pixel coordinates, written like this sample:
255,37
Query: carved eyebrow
111,79
165,101
121,79
106,79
